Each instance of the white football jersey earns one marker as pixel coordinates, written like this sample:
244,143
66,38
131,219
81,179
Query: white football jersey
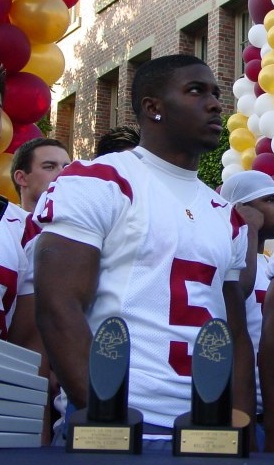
167,244
16,271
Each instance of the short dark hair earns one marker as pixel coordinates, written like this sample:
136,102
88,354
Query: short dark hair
118,139
152,77
23,155
2,81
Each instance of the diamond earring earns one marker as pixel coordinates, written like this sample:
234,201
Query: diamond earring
157,117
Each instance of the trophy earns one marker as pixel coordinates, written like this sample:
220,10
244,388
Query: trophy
212,428
107,424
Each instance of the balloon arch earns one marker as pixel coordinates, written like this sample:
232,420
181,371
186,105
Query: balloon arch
251,128
33,61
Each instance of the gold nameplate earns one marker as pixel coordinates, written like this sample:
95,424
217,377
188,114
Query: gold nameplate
101,438
209,442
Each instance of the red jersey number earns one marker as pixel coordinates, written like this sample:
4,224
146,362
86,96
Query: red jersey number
183,314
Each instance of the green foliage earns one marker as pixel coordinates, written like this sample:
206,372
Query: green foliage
210,168
44,125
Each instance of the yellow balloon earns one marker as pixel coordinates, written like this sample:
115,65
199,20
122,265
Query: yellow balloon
238,120
241,139
46,61
6,185
6,134
266,79
270,37
43,21
268,59
269,20
247,158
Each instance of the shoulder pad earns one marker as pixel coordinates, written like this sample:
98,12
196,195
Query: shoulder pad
3,205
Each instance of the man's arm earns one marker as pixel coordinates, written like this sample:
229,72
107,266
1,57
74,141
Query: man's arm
65,282
266,367
244,394
255,220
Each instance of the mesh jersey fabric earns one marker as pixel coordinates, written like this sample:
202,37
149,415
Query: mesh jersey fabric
163,264
16,268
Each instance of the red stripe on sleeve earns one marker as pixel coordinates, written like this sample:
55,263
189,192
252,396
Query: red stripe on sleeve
31,230
104,172
237,222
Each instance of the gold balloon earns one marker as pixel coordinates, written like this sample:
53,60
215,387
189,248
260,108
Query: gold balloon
238,120
6,134
269,20
46,61
270,37
247,158
268,59
6,185
241,139
266,79
43,21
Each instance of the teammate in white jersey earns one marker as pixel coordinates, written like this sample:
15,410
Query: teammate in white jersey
137,235
254,190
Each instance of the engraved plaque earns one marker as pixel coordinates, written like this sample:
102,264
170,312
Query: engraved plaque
212,427
107,424
101,438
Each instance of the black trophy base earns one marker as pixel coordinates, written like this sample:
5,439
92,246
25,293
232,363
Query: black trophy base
212,441
123,437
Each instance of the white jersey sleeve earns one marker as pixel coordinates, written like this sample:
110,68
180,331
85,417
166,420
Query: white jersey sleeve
86,216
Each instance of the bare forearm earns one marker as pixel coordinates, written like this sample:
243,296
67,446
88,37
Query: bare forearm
67,341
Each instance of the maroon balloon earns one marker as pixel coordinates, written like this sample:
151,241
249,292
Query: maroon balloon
258,90
252,69
251,53
265,163
70,3
22,133
263,146
258,9
5,6
15,47
27,98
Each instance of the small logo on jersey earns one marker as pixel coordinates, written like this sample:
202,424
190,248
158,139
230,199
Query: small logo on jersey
189,214
216,204
13,220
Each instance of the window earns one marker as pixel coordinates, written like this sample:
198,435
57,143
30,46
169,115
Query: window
201,41
243,23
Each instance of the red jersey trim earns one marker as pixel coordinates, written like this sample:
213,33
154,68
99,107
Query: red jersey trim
104,172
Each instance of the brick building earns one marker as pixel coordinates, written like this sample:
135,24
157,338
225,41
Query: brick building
108,39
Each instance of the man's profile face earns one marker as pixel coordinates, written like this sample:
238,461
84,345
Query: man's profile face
191,108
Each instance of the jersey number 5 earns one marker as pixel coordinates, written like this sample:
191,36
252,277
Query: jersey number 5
183,314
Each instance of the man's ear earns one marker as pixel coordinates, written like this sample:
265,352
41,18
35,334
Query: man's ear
20,178
151,106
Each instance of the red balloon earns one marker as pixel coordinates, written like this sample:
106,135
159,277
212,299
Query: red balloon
265,163
5,6
263,146
252,69
258,9
14,48
70,3
251,53
27,98
258,90
22,133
